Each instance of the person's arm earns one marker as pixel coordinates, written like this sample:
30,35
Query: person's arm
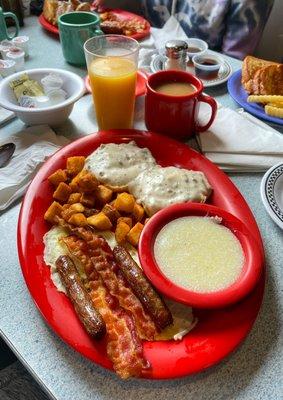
245,21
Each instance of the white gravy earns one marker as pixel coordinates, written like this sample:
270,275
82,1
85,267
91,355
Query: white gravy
127,165
118,164
161,187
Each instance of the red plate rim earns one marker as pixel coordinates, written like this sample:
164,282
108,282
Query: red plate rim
122,13
142,77
217,333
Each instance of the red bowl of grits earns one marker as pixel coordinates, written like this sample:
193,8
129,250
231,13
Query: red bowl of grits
200,255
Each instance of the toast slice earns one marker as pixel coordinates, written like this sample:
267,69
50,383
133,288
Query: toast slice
250,66
268,80
50,10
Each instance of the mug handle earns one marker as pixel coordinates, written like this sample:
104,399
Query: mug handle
98,32
13,16
209,100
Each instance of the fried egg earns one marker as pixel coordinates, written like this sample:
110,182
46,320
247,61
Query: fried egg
52,250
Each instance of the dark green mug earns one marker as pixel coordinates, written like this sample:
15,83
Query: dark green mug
3,27
74,29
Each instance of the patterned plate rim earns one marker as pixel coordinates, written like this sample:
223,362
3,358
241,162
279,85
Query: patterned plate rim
206,83
268,185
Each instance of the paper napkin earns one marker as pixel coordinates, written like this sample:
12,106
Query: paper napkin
239,142
33,146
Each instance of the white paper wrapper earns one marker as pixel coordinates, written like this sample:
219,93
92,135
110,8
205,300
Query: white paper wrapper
33,146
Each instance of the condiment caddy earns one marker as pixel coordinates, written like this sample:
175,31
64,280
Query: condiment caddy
193,56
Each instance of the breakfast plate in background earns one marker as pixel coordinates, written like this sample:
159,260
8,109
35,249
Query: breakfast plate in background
238,93
217,333
157,64
272,193
121,14
140,85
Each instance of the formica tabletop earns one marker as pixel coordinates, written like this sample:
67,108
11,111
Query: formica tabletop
254,371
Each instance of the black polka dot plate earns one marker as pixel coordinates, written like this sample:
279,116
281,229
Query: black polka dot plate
272,193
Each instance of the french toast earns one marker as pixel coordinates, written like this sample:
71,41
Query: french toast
269,80
52,9
250,66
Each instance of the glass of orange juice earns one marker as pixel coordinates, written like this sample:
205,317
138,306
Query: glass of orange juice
112,68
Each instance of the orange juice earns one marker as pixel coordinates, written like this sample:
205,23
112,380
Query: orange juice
113,82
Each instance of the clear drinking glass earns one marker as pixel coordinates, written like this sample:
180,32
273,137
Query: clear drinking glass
112,67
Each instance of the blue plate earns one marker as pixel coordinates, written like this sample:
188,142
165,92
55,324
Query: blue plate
239,94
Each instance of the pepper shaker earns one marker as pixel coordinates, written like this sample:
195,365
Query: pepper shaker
176,52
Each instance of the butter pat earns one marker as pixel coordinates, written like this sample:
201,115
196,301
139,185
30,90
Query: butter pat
23,86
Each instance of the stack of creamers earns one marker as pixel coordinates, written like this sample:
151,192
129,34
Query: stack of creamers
263,80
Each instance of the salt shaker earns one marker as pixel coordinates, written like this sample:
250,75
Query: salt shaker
176,52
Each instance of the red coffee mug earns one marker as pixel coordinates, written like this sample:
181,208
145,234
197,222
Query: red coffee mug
175,116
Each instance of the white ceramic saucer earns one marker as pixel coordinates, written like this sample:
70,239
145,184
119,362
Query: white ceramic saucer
157,64
272,193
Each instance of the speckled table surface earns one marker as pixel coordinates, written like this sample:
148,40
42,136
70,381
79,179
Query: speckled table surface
254,371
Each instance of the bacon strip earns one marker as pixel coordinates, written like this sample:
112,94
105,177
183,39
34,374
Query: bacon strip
142,288
124,347
104,263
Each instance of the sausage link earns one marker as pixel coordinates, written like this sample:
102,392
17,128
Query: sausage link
88,315
142,288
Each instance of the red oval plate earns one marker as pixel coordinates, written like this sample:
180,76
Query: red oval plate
217,333
140,85
122,14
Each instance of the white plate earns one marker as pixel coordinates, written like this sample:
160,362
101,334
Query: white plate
157,64
272,193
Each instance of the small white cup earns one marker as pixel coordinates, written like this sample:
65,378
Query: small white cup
18,56
7,67
5,46
195,47
22,42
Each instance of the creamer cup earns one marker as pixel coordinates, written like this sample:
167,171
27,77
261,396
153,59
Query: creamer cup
23,43
7,67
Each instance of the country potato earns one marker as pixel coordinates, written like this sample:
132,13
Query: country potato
88,199
125,202
74,198
78,219
126,220
138,212
84,182
103,194
100,221
134,234
111,212
58,177
54,211
75,164
62,192
121,231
